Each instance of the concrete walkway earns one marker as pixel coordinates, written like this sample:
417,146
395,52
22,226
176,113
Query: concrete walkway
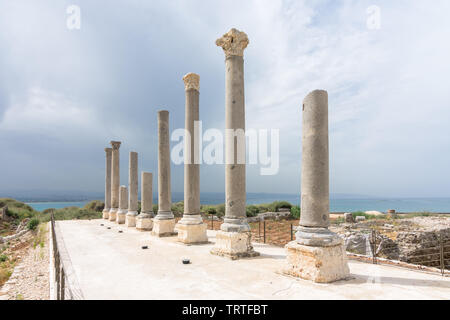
112,265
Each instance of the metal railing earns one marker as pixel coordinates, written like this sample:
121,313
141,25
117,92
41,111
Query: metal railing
66,287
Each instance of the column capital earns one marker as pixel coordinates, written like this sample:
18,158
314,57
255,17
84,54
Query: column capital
233,42
115,144
107,150
191,81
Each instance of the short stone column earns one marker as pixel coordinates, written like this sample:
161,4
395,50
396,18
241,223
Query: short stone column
317,253
115,180
164,222
234,238
191,228
130,219
144,221
107,183
123,205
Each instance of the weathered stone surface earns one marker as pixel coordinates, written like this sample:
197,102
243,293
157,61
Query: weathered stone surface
234,245
319,264
123,205
130,220
192,233
144,222
358,243
348,217
163,228
360,219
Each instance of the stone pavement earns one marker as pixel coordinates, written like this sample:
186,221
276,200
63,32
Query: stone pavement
112,265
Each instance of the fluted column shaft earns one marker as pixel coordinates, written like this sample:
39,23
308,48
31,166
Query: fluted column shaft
147,193
107,206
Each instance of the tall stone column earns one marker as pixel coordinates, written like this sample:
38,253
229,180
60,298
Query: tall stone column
144,221
317,253
164,222
234,237
115,180
123,205
107,184
191,228
133,190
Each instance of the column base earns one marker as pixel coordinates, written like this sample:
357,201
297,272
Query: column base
144,222
163,228
106,213
130,219
234,245
121,215
192,233
319,264
113,214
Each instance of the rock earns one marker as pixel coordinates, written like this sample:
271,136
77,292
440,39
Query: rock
348,217
357,243
374,213
360,219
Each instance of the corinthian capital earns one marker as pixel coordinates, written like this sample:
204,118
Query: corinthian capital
233,42
191,81
115,144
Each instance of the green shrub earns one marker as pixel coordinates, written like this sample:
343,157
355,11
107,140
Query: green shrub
251,210
95,205
277,205
155,208
3,258
220,210
33,223
295,212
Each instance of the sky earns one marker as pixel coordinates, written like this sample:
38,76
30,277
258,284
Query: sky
65,93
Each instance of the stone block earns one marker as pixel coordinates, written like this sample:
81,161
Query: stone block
360,219
144,224
106,214
319,264
130,220
192,233
121,215
348,217
163,228
234,245
113,215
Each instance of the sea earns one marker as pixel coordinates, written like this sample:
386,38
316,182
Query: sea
337,203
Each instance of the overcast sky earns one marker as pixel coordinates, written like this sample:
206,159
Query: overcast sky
64,94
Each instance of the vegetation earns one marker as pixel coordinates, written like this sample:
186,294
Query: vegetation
33,223
95,205
251,210
295,212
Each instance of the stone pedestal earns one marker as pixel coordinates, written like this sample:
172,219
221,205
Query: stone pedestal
123,203
144,221
234,245
192,230
113,214
130,219
164,222
163,228
317,253
107,207
319,264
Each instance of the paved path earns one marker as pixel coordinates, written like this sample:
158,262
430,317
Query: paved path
112,265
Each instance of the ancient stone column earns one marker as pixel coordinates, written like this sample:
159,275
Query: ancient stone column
234,238
164,222
130,220
144,221
317,253
115,180
107,184
123,205
191,228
